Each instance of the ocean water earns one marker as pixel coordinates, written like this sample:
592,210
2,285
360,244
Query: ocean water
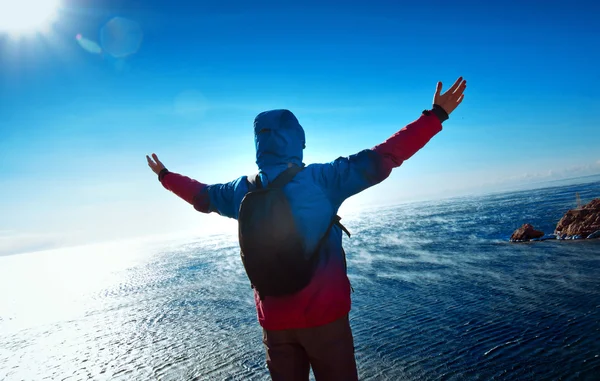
440,294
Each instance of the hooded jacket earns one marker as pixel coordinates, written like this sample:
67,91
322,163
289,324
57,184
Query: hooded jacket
315,195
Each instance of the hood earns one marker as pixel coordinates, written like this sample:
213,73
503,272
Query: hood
279,141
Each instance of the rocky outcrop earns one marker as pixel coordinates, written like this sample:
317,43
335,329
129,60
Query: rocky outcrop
526,233
583,222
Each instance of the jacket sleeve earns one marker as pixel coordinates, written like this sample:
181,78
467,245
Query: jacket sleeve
347,176
223,199
190,190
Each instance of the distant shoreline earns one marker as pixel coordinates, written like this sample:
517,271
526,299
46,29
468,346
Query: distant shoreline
483,193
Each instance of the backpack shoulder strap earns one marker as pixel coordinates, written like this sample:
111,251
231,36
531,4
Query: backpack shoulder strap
285,177
336,221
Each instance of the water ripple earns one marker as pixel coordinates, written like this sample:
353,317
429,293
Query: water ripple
440,295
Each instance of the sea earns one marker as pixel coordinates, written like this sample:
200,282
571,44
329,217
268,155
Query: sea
440,294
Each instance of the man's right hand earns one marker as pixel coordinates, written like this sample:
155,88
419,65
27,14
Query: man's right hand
155,164
450,100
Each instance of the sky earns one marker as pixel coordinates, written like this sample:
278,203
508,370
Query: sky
86,97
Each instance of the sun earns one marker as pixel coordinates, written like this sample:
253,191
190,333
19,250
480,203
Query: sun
19,17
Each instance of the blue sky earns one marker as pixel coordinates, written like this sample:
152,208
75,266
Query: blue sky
76,125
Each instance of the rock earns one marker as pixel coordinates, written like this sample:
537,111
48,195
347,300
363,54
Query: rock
595,234
583,221
526,233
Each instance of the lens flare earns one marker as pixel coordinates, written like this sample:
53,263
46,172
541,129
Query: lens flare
88,45
190,103
121,37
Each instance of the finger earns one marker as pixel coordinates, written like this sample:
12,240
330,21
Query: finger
455,85
460,99
438,89
155,157
150,162
460,90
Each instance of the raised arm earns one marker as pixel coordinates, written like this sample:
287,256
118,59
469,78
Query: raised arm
219,198
190,190
347,176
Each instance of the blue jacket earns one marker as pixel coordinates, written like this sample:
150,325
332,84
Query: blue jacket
315,195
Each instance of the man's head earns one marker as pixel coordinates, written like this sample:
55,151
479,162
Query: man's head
278,138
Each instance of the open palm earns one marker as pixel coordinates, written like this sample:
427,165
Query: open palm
155,164
450,100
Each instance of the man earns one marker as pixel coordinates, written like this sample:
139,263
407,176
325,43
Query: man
310,328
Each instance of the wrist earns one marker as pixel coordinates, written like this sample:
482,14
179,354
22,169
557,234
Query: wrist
440,112
162,174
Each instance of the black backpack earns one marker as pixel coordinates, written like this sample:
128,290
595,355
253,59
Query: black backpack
272,250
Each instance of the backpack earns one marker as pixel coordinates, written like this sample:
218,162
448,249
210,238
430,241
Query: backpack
271,248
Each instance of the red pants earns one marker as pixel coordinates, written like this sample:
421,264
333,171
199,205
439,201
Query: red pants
329,349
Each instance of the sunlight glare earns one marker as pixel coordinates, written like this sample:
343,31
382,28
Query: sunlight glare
18,17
